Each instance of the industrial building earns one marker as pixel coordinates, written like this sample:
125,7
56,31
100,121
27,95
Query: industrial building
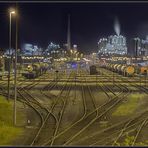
114,44
139,46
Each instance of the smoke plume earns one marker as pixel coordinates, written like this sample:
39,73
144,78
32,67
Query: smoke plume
117,26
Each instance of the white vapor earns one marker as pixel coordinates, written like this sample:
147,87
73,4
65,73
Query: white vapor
117,27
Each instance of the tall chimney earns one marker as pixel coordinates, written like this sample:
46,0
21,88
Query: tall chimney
68,34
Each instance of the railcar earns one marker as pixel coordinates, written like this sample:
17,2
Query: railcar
93,70
126,70
115,67
129,70
35,70
143,70
119,68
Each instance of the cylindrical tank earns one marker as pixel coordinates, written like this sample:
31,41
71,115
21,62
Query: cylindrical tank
115,67
141,70
129,70
112,66
123,68
144,70
119,69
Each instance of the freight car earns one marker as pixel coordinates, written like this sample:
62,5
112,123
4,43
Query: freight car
143,70
35,70
126,70
44,67
93,70
131,69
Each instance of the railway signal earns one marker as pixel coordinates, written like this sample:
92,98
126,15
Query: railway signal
75,85
96,79
28,121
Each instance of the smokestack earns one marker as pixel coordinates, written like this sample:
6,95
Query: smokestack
68,34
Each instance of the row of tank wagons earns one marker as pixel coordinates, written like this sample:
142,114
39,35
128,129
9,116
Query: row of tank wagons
35,70
127,70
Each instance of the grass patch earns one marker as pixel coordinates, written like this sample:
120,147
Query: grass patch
130,106
128,141
7,131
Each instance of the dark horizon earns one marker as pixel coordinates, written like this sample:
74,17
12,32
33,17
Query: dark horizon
41,23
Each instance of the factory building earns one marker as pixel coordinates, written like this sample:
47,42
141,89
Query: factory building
114,44
31,50
144,47
139,47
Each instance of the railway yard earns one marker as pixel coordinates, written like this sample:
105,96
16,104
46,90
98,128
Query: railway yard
79,109
73,74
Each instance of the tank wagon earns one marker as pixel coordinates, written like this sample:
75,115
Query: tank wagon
127,70
143,70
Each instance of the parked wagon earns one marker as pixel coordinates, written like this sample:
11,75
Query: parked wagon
35,70
93,70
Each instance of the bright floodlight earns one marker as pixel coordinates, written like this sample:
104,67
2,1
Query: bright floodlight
12,12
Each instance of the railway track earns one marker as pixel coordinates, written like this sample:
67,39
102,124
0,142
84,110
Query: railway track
112,135
82,122
57,115
138,129
26,97
82,131
106,107
123,79
86,106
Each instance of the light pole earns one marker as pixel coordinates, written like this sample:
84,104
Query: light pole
15,67
9,63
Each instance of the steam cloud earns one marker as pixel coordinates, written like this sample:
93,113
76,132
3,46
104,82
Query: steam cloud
117,26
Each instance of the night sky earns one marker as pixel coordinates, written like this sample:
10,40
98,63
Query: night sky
41,23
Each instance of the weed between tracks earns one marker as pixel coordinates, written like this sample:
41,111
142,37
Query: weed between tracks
129,140
130,106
